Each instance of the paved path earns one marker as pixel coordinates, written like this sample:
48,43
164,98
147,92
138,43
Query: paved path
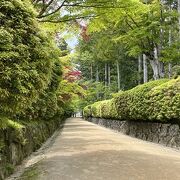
85,151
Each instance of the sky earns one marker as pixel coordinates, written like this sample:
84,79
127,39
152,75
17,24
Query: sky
72,42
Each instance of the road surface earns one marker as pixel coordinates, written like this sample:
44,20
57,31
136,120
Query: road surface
85,151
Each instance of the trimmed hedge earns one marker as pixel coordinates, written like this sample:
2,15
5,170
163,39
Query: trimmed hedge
153,101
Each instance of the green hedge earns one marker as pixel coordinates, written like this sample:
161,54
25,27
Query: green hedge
153,101
30,65
26,57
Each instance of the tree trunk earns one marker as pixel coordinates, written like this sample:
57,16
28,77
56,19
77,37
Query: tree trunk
170,42
154,66
160,46
139,69
169,70
105,75
118,75
97,74
179,14
145,69
161,69
109,75
157,66
97,80
91,72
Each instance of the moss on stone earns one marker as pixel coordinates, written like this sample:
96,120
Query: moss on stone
9,168
30,174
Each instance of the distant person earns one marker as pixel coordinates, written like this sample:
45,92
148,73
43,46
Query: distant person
74,114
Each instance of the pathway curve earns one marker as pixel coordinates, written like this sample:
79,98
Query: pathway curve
85,151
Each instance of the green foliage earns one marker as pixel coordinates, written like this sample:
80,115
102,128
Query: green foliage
95,109
26,58
17,127
46,107
93,92
176,70
94,56
9,168
164,101
31,70
53,11
70,96
31,173
141,28
87,111
171,53
131,104
6,123
153,101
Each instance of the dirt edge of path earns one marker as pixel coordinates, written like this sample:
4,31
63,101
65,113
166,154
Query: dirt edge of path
30,162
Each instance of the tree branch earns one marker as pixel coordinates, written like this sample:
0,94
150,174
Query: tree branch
42,16
65,3
66,20
45,8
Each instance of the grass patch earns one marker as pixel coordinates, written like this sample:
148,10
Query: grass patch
30,174
9,168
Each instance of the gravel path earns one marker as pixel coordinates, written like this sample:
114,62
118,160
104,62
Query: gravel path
85,151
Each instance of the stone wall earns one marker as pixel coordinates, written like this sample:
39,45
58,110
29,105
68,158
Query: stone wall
163,133
16,145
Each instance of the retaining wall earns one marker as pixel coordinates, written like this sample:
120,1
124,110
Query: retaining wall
163,133
15,145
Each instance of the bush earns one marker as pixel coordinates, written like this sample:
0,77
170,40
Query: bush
24,62
153,101
87,111
29,65
96,109
164,101
132,104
